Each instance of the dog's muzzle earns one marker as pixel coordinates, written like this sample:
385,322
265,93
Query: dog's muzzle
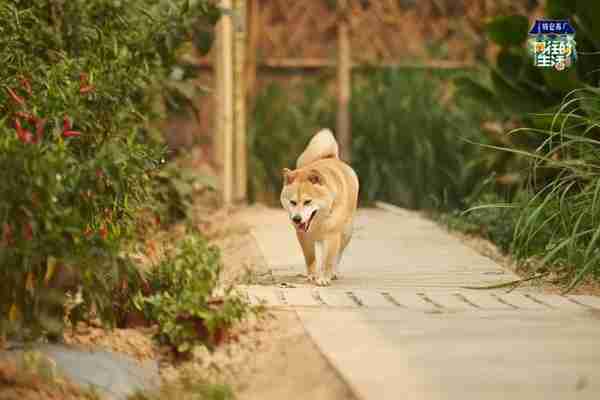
303,226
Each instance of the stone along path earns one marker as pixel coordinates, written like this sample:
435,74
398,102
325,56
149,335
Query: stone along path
400,324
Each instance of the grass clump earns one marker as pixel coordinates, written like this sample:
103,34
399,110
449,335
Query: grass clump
490,217
560,220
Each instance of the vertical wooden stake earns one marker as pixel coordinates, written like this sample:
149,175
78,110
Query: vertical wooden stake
344,66
253,33
217,104
240,102
224,103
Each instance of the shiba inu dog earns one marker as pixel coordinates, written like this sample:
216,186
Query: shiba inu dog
321,197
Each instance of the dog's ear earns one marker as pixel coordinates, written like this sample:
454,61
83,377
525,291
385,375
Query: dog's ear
288,176
315,177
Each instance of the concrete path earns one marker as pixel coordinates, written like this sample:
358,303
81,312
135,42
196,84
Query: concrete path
400,325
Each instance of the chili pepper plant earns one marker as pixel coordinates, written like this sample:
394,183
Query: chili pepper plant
78,82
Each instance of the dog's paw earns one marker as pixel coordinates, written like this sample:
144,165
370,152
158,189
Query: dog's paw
335,277
311,278
323,281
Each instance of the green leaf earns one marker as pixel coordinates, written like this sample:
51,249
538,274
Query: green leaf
184,347
508,30
203,40
560,8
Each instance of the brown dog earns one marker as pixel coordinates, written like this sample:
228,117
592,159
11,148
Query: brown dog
321,197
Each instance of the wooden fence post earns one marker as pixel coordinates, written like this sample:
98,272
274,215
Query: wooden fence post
240,164
344,68
253,34
224,103
217,105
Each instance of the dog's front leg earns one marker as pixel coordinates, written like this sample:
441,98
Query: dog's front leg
327,253
308,249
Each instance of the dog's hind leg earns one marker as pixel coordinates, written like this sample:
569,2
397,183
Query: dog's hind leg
308,249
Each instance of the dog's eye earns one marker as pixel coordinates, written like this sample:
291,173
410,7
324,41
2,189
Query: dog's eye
307,202
292,202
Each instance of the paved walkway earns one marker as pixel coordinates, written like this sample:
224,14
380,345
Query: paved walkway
400,325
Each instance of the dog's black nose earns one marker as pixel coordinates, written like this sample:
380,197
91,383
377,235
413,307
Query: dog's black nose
297,219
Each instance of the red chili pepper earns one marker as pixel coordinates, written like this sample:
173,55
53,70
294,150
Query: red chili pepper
33,119
7,238
67,134
66,124
25,84
39,129
86,89
23,134
103,232
27,137
16,98
28,231
18,126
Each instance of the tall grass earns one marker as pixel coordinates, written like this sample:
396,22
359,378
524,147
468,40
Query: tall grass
283,121
408,145
559,221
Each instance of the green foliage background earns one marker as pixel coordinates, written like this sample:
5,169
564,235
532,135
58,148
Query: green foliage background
410,146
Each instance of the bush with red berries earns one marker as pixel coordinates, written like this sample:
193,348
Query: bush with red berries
78,85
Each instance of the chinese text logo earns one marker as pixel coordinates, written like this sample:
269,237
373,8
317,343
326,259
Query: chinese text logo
552,43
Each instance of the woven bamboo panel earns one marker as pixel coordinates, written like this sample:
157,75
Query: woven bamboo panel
303,32
381,30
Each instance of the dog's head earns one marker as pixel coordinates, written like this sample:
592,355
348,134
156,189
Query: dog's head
306,197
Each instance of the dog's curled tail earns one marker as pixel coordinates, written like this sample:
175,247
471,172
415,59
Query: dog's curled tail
322,145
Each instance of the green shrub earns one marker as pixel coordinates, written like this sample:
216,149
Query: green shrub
76,90
183,298
174,190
